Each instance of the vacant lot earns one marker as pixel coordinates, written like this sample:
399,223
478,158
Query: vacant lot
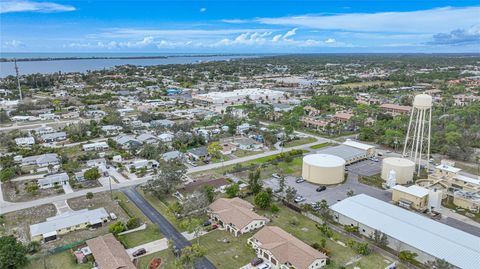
298,142
18,222
15,191
232,255
62,260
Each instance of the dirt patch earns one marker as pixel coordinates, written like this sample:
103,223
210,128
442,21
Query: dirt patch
87,184
16,191
101,199
18,222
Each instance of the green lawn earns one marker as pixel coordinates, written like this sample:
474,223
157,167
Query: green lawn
375,180
151,233
298,142
322,145
244,153
62,260
230,255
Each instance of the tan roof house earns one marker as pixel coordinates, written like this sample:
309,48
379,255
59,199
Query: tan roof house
235,215
284,251
109,253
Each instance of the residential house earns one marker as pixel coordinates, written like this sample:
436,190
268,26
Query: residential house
53,137
162,123
111,129
198,153
25,142
127,141
44,130
43,160
228,148
166,137
284,251
50,181
395,109
49,116
243,128
342,116
148,164
95,146
68,222
245,143
109,253
167,156
235,215
147,138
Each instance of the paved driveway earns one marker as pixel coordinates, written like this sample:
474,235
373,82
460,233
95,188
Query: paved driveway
365,168
165,227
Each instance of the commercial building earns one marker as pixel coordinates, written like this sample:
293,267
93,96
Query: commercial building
284,251
68,222
350,151
109,253
239,96
409,231
395,109
403,168
323,169
235,215
414,197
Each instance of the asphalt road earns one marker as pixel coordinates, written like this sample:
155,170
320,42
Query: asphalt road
166,227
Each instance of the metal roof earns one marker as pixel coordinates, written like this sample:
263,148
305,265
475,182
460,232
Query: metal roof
66,220
345,152
436,239
412,190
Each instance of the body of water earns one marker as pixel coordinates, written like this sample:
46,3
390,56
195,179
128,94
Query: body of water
83,65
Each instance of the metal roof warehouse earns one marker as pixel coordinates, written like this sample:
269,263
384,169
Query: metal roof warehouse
411,230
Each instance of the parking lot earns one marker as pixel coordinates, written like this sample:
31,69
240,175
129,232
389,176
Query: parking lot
337,192
365,168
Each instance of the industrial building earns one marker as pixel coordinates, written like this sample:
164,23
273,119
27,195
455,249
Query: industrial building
414,197
409,231
323,169
403,168
239,96
350,151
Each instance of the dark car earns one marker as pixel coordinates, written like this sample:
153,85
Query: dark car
139,252
321,188
256,261
207,223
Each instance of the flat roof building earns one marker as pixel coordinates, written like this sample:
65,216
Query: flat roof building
239,96
410,231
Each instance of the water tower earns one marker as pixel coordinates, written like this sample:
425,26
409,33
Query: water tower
417,141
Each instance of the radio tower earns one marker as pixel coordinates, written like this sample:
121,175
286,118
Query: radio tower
419,130
18,80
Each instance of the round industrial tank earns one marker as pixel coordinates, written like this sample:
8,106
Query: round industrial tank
403,168
324,169
422,101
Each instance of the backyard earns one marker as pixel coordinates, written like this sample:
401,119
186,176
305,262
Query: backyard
62,260
22,191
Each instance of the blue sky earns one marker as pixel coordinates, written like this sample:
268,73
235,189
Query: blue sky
247,26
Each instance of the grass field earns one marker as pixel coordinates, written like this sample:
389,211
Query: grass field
298,142
62,260
232,255
322,145
374,180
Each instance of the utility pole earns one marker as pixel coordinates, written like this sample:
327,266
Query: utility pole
18,80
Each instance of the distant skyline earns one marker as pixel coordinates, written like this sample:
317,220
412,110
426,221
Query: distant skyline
240,26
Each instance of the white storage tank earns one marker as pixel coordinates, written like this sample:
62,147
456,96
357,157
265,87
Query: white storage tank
404,169
324,169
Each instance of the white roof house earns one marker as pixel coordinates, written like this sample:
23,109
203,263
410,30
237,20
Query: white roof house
41,160
459,248
50,180
68,219
95,146
25,141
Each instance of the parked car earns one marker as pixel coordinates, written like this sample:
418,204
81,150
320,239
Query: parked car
299,199
276,176
214,226
277,191
264,266
207,223
139,252
256,261
321,188
300,180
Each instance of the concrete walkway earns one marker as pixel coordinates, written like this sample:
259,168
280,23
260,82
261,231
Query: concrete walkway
62,207
67,188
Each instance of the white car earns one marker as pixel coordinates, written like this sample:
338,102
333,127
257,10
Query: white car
264,266
299,199
276,176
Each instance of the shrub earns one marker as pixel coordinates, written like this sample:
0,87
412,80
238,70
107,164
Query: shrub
133,223
117,227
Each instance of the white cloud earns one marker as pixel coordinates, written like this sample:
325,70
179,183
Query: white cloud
290,33
203,9
30,6
330,40
421,21
132,33
14,44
